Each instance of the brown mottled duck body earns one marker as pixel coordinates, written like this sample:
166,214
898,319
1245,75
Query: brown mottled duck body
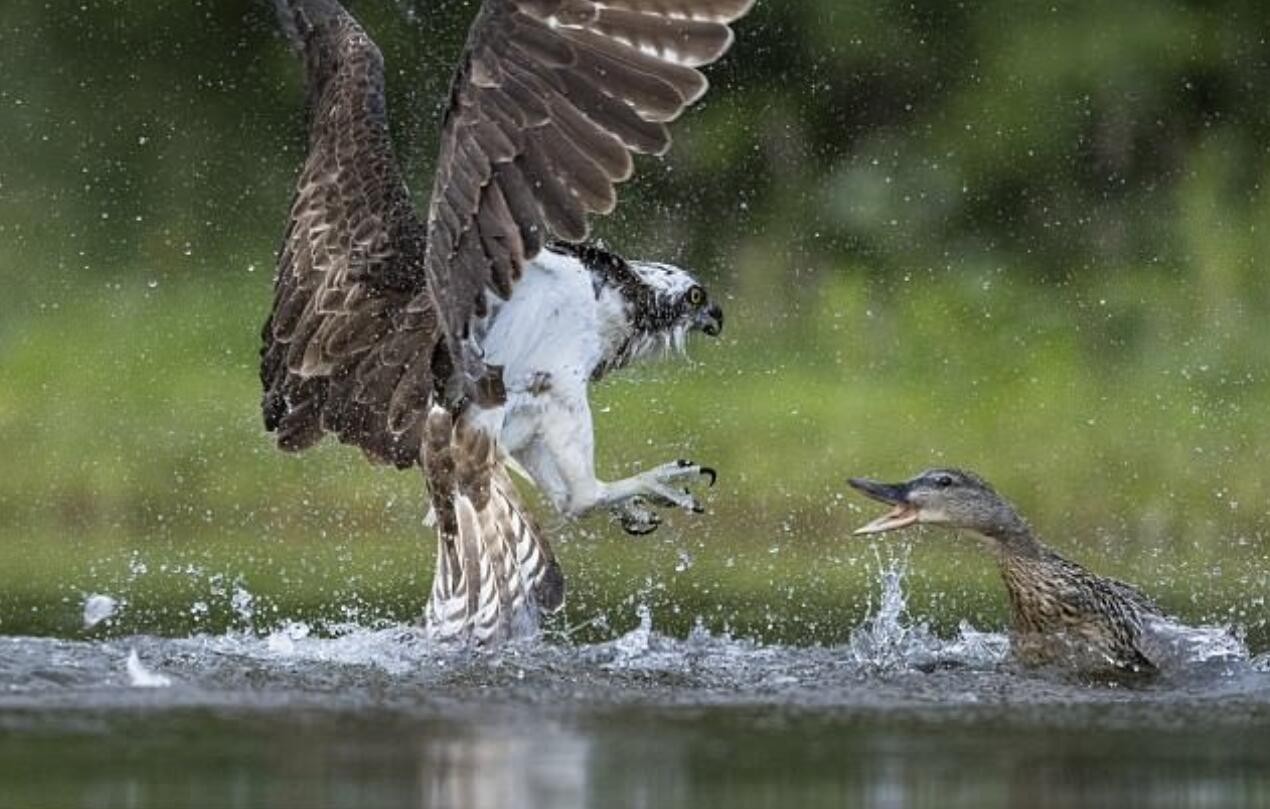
1061,613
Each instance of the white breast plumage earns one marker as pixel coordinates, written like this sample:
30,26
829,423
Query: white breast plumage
555,324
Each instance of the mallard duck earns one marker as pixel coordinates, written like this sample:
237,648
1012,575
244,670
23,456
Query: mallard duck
1062,614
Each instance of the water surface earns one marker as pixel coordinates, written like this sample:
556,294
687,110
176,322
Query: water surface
382,717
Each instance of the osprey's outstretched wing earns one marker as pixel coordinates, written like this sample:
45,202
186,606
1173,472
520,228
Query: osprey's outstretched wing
351,339
550,100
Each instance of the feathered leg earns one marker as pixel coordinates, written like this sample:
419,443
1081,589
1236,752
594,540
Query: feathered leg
495,571
561,460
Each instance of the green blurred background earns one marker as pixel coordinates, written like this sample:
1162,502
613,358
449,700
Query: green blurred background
1026,238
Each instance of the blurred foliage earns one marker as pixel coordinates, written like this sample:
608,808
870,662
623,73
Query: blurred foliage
1025,238
1057,139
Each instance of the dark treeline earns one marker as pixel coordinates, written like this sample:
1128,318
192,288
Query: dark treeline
160,138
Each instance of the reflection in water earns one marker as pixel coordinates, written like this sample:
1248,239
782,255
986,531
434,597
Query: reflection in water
507,767
640,756
751,758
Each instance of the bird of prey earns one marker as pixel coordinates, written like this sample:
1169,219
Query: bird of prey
464,342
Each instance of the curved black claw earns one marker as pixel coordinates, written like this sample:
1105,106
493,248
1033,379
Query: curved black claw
640,521
639,528
662,501
706,470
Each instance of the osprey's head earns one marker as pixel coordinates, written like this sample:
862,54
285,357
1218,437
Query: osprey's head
669,300
653,306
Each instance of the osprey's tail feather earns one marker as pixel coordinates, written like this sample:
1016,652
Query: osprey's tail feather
495,572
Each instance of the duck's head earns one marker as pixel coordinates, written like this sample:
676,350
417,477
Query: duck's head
950,497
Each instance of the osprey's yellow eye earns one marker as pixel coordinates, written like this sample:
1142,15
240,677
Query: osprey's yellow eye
696,296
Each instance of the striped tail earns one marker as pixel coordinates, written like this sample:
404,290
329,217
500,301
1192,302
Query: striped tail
496,574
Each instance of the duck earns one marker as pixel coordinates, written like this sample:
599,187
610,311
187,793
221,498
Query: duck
1062,615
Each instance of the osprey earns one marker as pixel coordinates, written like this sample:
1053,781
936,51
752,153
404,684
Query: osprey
464,343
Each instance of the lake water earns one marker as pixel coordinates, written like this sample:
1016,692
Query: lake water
380,717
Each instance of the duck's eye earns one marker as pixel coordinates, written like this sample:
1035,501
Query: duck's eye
943,481
696,296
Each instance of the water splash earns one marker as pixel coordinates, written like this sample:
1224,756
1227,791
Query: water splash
976,648
903,665
243,603
141,677
885,640
1174,646
891,648
98,608
638,642
889,641
392,648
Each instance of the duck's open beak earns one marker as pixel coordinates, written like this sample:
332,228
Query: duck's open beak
893,494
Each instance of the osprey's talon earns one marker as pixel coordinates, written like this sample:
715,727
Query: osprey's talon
690,503
680,470
667,497
636,518
639,528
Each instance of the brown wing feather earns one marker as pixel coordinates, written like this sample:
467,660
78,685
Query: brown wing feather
550,100
350,345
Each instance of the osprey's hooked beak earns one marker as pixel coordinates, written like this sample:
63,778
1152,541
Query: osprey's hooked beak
893,494
710,320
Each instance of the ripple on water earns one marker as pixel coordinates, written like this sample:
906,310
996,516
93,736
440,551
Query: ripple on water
891,662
